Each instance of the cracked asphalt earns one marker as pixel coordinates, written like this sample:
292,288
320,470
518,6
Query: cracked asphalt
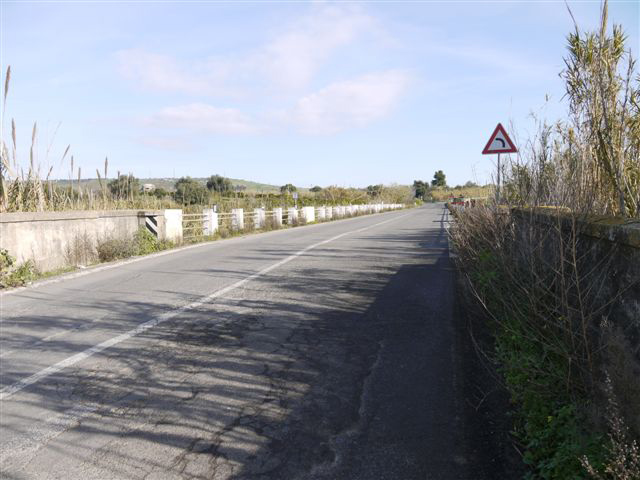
347,362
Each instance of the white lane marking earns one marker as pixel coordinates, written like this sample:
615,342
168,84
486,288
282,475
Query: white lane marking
10,390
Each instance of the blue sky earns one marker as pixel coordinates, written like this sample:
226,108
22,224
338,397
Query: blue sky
286,92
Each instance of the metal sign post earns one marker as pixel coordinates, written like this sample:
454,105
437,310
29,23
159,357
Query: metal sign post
498,182
499,142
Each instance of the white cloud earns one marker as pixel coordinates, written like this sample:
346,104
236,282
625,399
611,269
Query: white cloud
288,60
295,55
164,73
351,103
204,118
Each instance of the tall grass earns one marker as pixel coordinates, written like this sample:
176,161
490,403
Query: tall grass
589,162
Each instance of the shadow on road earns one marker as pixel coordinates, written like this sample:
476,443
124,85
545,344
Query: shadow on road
352,370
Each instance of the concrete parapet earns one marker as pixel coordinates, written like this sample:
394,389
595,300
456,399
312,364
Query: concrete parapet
54,239
321,213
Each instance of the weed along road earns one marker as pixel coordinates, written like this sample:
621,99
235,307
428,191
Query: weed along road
332,351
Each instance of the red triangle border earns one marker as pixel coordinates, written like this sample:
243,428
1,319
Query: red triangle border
499,128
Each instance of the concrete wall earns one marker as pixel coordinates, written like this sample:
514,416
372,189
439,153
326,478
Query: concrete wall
51,238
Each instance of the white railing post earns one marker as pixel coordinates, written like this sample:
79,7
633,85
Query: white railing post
308,214
237,219
173,225
277,217
210,224
328,213
292,215
260,217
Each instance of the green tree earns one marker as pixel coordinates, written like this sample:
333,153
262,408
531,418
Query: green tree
220,184
470,184
316,189
160,192
420,189
190,192
374,190
288,188
124,186
439,179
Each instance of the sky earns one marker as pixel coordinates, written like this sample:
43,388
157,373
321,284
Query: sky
309,93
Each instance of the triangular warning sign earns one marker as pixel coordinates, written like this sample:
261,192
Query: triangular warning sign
499,142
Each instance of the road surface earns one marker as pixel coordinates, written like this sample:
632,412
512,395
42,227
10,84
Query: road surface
332,351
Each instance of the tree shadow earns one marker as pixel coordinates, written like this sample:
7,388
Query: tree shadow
306,372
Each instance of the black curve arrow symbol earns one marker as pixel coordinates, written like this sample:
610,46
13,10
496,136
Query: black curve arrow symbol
501,141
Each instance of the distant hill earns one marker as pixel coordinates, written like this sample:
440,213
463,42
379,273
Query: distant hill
167,184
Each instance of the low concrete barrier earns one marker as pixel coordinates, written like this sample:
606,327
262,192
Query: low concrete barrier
54,240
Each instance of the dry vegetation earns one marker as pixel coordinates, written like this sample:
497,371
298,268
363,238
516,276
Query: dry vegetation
573,377
444,194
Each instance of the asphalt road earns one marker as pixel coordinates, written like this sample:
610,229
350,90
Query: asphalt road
332,351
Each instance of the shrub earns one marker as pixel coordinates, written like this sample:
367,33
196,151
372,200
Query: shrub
220,184
115,249
190,192
12,275
145,242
